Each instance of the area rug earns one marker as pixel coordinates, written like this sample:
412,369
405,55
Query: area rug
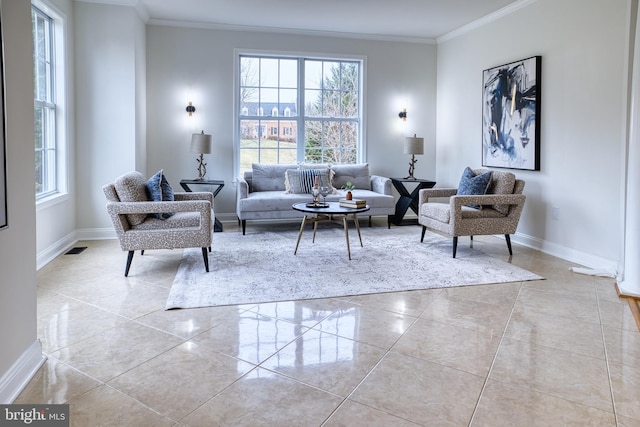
261,267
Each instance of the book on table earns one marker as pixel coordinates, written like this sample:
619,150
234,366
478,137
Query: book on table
353,203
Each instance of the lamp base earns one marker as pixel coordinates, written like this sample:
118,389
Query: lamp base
202,167
412,167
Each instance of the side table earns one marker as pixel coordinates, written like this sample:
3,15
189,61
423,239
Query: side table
407,200
218,183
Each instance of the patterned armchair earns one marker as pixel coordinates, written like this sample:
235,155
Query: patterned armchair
185,222
501,205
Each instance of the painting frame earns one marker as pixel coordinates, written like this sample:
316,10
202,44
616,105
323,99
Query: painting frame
4,223
511,115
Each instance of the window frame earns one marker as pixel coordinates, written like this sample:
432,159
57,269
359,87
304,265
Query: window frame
58,131
300,119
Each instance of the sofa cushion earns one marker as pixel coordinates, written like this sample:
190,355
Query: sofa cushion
132,187
267,177
300,181
357,174
160,191
473,185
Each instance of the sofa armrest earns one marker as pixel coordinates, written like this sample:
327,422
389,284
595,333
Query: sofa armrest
242,188
119,210
381,185
196,195
427,193
516,200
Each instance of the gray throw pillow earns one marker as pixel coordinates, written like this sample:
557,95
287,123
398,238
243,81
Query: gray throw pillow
473,185
132,187
357,174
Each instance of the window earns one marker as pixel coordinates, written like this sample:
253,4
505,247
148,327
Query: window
49,126
326,130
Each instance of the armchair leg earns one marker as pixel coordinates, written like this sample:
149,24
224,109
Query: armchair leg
129,259
244,226
508,239
206,259
455,245
424,230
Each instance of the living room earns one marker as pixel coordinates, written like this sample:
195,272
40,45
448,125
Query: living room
141,74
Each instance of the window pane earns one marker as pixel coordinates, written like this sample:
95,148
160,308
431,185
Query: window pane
288,73
268,72
313,74
331,75
38,118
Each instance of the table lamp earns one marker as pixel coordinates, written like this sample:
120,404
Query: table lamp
201,143
413,146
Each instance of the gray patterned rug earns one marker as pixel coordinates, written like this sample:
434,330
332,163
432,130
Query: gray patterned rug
261,266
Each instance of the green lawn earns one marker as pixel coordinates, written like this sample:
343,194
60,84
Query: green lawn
268,152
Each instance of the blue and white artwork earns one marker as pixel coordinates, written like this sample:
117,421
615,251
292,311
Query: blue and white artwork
510,115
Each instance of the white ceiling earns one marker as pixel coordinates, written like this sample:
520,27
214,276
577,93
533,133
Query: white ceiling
404,19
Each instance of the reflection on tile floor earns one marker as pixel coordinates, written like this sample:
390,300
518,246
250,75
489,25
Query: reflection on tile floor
563,351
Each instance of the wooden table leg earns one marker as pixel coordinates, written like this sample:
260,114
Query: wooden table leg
355,220
315,228
304,220
346,234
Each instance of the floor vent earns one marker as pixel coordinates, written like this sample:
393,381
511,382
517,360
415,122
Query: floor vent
76,250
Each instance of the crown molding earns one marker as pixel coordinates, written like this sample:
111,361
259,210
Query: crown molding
317,33
498,14
140,8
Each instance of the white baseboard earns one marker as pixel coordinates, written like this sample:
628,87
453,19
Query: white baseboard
567,254
18,376
61,246
96,234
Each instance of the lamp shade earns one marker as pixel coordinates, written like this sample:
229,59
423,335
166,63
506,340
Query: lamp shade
201,143
413,145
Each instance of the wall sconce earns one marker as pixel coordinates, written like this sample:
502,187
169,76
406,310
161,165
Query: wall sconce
403,114
201,143
191,109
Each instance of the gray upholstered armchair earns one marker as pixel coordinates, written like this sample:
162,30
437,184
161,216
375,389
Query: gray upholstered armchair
502,205
185,222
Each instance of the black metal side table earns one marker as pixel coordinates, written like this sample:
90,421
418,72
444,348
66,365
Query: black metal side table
218,183
407,200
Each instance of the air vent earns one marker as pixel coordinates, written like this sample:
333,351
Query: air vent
75,251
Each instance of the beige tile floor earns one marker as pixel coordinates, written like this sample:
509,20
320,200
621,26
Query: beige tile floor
559,352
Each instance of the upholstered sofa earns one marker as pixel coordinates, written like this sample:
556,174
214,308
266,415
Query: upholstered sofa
265,193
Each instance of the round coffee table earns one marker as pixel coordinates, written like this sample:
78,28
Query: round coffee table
332,212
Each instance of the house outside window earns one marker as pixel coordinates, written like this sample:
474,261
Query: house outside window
327,129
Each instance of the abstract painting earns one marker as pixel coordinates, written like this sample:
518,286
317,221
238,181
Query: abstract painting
511,115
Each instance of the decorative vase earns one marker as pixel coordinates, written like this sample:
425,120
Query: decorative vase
349,195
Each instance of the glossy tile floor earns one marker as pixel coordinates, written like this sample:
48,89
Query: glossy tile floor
563,351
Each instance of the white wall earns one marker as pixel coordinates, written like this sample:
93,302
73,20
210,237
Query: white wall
20,352
109,114
187,64
583,95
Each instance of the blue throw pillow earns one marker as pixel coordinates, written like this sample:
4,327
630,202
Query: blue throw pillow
160,190
474,185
